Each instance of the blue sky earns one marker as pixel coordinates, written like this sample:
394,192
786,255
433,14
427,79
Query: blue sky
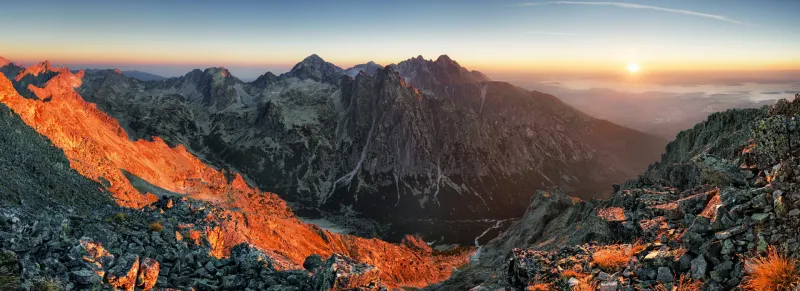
250,37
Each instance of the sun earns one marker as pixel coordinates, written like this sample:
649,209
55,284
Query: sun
633,67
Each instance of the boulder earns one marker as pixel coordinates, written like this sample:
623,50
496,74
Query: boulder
313,262
716,171
95,256
726,234
698,269
343,273
760,217
148,273
607,286
664,275
85,277
232,282
123,274
693,204
248,258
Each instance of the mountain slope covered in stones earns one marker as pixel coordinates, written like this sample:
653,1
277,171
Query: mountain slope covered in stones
52,220
174,200
725,192
417,140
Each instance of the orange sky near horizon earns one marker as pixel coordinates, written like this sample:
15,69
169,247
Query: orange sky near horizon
500,64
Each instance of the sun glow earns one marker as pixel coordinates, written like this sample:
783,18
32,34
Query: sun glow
633,67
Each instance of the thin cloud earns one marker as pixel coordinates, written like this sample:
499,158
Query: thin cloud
552,33
637,6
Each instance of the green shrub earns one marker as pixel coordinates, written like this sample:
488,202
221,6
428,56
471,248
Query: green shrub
120,217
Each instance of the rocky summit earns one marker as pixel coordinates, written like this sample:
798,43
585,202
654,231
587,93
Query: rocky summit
420,142
718,212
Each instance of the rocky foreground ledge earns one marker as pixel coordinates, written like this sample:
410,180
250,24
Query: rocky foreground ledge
720,212
163,246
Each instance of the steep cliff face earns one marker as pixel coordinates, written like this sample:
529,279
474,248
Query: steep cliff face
476,155
417,140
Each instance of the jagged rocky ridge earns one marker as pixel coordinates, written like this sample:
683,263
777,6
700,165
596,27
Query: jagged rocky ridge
725,191
58,229
417,140
224,211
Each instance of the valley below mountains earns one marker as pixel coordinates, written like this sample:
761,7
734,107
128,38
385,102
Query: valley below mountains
381,149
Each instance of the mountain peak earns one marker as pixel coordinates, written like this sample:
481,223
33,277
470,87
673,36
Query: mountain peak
312,61
315,68
4,62
313,58
46,65
433,75
35,70
446,62
265,80
370,68
444,58
222,71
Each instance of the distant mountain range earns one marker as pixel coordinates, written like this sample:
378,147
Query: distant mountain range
138,75
142,76
420,139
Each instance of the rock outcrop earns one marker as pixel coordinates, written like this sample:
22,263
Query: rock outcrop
724,191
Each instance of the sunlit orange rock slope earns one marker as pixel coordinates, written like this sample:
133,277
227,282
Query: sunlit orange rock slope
100,149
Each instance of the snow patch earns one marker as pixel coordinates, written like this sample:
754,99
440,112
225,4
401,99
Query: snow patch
496,225
484,88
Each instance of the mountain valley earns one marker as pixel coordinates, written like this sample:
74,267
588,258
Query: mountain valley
417,141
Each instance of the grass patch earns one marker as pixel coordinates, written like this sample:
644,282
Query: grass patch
156,226
683,284
771,272
612,258
540,287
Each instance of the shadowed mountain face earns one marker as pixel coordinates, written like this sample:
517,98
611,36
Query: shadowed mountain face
416,140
